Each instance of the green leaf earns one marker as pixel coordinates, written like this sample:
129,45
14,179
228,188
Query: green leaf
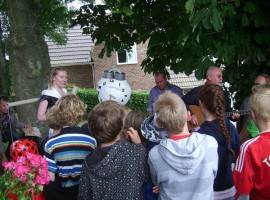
245,20
190,6
206,22
217,21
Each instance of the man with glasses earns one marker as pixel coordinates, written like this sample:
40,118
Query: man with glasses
213,76
245,124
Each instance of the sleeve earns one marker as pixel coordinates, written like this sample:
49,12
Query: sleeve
14,122
190,97
2,148
151,101
84,186
152,171
243,171
52,167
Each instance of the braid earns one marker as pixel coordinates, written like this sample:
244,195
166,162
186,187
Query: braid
213,98
220,112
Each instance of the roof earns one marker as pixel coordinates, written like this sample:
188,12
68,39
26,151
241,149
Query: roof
75,52
184,81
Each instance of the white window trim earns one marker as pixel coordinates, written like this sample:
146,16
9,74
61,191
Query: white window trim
134,51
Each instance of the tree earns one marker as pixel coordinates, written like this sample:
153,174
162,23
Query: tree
188,35
29,22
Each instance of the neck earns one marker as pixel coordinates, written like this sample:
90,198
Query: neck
59,90
56,87
184,132
263,126
207,115
110,143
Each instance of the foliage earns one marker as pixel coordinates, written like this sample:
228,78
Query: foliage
138,99
187,35
25,177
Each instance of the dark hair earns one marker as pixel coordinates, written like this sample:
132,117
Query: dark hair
4,98
212,96
106,121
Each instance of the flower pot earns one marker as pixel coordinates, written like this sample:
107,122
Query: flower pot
39,196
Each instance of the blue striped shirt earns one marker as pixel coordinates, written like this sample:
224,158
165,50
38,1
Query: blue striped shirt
65,154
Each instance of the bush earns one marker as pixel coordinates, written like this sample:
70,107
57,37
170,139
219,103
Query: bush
138,99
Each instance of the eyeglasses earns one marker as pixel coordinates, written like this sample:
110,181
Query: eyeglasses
256,84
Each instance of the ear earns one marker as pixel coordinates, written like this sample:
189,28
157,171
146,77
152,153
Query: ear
201,104
158,123
188,116
253,114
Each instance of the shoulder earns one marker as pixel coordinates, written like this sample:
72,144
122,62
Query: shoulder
205,139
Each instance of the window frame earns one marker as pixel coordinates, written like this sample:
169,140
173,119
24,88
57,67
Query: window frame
134,51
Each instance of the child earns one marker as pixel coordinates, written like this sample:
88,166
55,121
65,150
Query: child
117,168
211,101
252,170
65,152
184,165
53,123
134,119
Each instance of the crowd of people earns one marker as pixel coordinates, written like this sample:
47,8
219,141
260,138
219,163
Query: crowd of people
123,154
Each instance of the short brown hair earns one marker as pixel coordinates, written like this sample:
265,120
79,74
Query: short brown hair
171,111
106,121
134,119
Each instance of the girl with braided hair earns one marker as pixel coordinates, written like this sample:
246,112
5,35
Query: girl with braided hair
212,104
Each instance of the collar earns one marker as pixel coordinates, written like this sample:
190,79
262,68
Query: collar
179,137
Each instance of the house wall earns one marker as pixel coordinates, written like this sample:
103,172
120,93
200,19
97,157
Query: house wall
80,75
135,75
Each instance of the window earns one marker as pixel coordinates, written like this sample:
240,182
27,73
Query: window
127,57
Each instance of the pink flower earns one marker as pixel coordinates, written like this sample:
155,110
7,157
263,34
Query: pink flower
9,166
21,170
23,179
29,172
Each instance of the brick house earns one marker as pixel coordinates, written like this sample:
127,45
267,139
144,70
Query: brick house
80,57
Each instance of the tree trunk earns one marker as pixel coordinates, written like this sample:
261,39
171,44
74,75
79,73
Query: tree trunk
3,74
29,57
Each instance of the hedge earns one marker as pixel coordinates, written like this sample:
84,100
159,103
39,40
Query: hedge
138,99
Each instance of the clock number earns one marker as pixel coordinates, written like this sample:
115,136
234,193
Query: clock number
111,97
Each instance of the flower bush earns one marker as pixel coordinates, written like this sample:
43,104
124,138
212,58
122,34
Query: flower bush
25,177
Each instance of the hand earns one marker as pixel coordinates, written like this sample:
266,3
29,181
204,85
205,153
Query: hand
29,127
156,189
235,115
134,135
194,120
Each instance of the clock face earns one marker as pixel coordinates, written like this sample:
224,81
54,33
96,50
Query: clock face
112,89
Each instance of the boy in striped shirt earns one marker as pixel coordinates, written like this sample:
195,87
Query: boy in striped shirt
65,152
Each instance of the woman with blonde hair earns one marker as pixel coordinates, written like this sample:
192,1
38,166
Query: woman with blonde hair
56,89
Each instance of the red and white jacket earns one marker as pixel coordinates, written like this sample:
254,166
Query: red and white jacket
252,170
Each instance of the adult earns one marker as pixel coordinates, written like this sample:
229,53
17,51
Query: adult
9,124
211,99
162,85
244,123
213,76
252,170
56,89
